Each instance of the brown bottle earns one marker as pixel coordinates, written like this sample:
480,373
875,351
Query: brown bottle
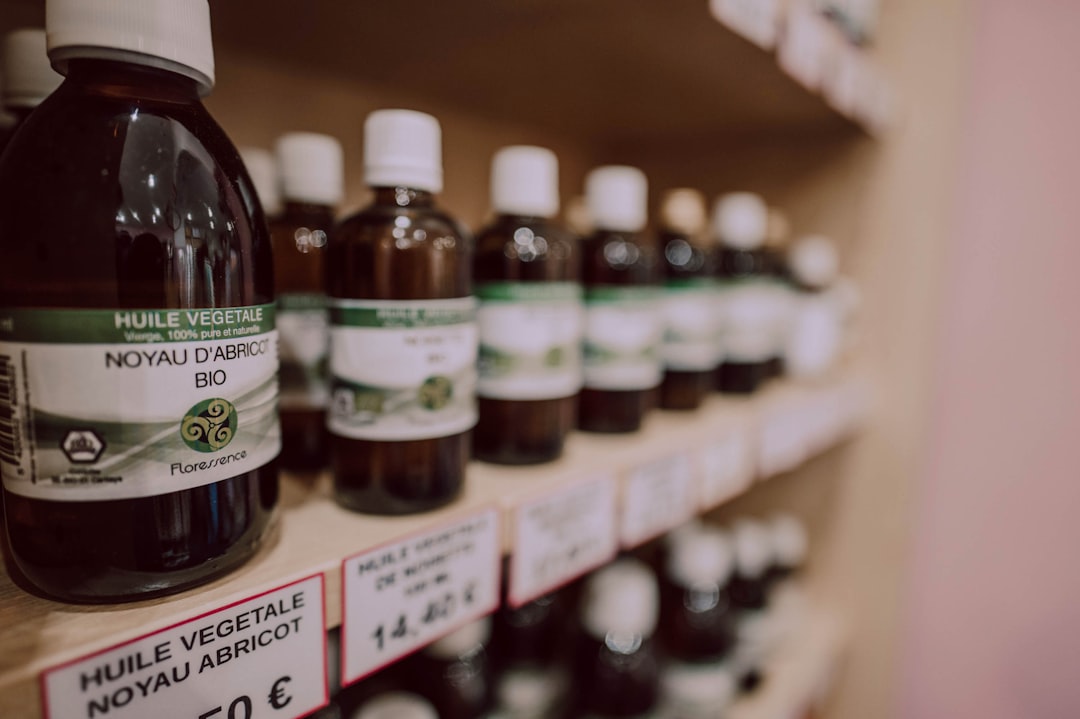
528,281
403,330
312,170
691,317
454,672
623,321
777,240
127,220
28,78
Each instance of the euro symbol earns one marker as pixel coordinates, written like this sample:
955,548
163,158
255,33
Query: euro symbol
278,699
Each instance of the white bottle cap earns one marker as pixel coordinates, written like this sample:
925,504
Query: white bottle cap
461,641
753,548
683,210
789,540
396,705
264,175
741,220
525,181
692,690
692,526
527,692
703,557
28,76
621,598
171,34
814,261
617,198
403,148
312,168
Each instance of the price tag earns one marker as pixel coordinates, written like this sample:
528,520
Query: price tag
261,658
658,497
756,20
805,44
727,468
404,595
562,536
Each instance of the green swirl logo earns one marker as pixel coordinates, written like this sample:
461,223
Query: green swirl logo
210,425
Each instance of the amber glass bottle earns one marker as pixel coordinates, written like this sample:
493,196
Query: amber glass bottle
26,76
749,591
454,673
528,281
623,319
403,330
777,241
312,178
691,321
136,331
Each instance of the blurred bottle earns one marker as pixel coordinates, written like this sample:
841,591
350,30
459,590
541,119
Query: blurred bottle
815,334
691,348
623,322
787,603
616,670
312,169
777,241
531,318
28,77
530,693
454,673
262,167
749,596
396,705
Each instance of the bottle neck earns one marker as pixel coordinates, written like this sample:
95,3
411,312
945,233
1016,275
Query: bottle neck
300,207
125,79
403,197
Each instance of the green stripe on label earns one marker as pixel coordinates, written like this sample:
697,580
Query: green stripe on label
617,293
691,283
293,301
141,326
402,314
530,292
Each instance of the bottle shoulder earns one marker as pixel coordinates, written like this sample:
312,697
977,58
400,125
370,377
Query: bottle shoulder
415,224
527,249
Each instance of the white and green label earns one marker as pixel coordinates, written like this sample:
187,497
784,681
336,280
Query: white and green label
115,404
623,331
530,340
402,370
692,324
755,319
304,341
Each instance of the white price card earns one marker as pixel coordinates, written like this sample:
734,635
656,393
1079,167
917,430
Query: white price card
404,595
727,468
260,658
559,537
658,497
756,20
805,44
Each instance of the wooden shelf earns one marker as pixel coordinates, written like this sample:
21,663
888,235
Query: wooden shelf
314,535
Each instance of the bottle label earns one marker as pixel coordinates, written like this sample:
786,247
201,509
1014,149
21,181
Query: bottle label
304,342
623,331
753,319
697,691
116,404
402,370
692,325
530,340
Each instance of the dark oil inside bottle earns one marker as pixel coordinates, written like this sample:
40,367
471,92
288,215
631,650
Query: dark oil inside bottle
617,676
299,265
740,376
532,634
684,260
776,263
524,431
625,259
83,226
429,258
18,116
699,621
459,687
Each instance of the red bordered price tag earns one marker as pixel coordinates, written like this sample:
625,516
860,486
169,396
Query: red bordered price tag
404,595
259,658
562,536
657,497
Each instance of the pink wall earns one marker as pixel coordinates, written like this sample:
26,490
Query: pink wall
993,605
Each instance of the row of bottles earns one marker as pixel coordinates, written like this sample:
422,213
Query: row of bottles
143,297
680,630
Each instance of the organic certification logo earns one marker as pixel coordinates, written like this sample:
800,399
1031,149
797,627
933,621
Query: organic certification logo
435,392
209,425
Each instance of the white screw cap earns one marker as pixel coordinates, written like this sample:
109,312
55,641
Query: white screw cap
698,690
814,261
461,641
683,210
397,705
264,175
403,148
312,168
789,540
753,548
702,557
28,76
525,181
148,31
527,692
622,598
617,198
741,220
